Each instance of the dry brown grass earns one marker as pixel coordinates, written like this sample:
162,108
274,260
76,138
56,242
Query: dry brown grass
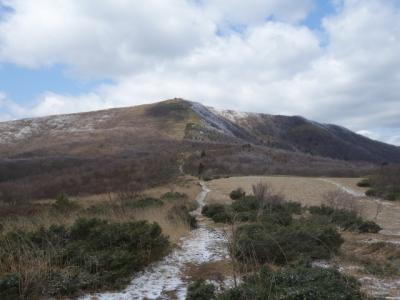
218,271
114,213
35,266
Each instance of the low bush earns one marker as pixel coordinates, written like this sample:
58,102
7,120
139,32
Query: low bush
92,254
292,207
174,196
144,202
101,208
321,210
9,287
201,290
251,209
295,282
64,204
372,192
237,194
364,183
280,217
347,220
245,204
269,242
219,213
369,227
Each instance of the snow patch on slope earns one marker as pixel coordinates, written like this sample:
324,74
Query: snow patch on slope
231,115
212,121
15,131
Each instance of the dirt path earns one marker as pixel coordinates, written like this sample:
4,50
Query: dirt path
166,279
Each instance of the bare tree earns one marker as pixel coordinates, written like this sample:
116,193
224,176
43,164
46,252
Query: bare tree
264,195
338,199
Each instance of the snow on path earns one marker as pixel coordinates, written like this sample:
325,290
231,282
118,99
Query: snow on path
204,244
388,288
344,188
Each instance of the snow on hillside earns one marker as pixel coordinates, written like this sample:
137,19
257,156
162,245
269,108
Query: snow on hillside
210,118
19,130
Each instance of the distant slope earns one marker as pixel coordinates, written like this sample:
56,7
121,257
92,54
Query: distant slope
118,131
299,134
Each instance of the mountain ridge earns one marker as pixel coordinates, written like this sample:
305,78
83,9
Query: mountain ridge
178,119
144,146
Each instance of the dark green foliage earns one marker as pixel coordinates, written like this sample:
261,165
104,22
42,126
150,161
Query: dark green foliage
385,182
364,183
292,207
174,196
9,285
92,254
347,220
280,217
101,208
218,212
145,202
295,283
212,209
321,210
237,194
200,290
247,203
390,194
369,227
281,244
64,205
372,192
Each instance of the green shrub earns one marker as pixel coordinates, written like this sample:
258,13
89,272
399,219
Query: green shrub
101,208
281,244
295,282
9,287
390,193
237,194
364,183
92,254
211,209
174,196
200,290
247,203
292,207
369,227
278,217
218,212
347,220
64,204
372,192
146,202
321,210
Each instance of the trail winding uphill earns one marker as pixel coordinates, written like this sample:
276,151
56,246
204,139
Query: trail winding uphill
166,279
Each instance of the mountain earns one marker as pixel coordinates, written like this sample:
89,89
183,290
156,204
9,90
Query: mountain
138,147
120,130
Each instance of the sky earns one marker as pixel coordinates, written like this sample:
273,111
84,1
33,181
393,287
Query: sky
332,61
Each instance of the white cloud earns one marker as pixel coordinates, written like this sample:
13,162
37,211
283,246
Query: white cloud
167,49
256,11
101,38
